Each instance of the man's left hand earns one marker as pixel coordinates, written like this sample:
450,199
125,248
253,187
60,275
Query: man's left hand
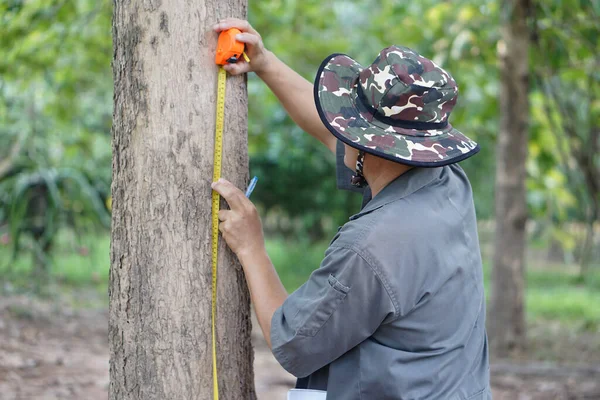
240,225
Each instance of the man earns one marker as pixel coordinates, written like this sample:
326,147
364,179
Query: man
397,308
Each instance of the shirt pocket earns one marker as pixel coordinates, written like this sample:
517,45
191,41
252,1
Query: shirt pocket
318,315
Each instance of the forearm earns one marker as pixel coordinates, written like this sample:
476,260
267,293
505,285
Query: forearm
266,289
296,95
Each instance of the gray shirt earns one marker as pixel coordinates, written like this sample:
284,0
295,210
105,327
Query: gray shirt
397,308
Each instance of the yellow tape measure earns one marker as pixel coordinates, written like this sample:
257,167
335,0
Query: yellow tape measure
228,50
215,216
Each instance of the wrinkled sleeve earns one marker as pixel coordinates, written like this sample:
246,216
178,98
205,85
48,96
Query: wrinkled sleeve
342,303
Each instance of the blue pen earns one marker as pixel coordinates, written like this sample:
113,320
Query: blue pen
251,186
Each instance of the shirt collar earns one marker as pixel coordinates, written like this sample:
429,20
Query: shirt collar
407,183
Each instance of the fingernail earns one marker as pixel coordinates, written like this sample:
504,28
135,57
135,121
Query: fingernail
239,36
212,185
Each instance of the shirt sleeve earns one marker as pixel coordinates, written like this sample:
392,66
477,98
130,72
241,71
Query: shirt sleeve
341,304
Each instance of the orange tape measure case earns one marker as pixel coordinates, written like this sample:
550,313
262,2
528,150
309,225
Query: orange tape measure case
229,50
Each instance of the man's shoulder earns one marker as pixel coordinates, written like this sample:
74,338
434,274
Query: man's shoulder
423,216
441,204
391,226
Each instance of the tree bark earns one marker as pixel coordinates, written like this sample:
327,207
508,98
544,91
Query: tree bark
163,139
507,322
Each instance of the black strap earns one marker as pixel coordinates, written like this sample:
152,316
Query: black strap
302,383
421,126
358,179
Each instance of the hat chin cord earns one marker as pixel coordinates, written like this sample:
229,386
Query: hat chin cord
358,179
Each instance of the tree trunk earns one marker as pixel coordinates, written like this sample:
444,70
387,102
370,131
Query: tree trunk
591,174
163,139
507,322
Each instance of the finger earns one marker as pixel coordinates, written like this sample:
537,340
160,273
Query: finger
229,23
238,68
222,227
250,208
234,196
238,23
248,38
224,215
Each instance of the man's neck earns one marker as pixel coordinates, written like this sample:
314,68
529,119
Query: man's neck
379,173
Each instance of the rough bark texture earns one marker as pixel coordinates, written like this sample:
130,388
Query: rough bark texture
507,319
163,137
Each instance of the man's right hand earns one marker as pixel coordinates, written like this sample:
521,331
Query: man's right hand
254,47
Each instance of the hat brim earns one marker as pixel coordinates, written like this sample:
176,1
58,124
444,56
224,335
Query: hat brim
335,92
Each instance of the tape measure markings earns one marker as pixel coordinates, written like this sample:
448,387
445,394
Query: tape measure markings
228,48
218,155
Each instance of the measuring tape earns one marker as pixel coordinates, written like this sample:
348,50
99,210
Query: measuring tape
229,50
215,216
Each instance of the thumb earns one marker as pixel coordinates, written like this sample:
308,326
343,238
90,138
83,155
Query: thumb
238,68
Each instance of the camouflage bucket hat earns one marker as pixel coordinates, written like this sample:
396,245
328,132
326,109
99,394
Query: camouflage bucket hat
397,108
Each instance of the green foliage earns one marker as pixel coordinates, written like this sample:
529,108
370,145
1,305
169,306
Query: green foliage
565,119
295,261
301,173
297,173
463,37
55,92
298,182
79,260
556,293
40,201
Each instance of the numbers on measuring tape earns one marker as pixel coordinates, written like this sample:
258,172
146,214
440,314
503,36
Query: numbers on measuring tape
216,198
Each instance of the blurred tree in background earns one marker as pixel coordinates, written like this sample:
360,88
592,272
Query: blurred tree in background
566,117
56,91
507,312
